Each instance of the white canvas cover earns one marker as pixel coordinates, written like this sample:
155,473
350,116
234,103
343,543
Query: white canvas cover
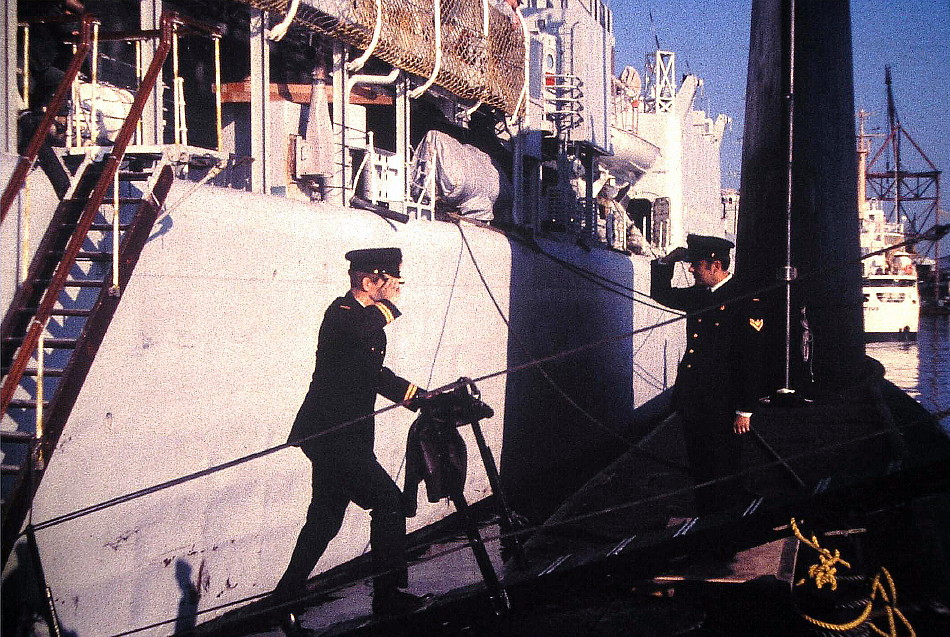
111,106
467,180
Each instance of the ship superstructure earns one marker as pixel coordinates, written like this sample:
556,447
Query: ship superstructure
172,237
889,283
889,271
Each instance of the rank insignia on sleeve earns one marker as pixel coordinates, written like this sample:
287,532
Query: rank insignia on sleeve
757,324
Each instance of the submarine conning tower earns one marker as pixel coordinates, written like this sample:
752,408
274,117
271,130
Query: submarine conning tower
813,80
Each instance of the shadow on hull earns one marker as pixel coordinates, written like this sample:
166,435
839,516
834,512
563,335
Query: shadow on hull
567,418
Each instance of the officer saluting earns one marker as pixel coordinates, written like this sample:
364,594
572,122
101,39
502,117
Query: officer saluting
719,378
348,375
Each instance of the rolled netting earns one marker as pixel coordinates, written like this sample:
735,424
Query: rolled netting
475,66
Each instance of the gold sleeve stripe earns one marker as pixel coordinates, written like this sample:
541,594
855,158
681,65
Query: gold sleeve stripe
387,314
410,392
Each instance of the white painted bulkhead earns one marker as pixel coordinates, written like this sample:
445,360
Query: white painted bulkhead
210,354
688,168
24,227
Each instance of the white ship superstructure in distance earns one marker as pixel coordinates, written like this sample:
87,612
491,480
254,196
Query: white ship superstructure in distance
891,297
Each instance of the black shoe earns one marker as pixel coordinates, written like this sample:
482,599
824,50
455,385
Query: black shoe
397,602
290,625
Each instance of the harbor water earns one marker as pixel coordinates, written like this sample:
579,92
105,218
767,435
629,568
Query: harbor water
921,368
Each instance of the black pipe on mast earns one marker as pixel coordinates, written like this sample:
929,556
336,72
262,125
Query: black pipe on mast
788,273
799,184
895,128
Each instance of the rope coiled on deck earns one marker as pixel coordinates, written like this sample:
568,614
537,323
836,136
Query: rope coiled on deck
882,586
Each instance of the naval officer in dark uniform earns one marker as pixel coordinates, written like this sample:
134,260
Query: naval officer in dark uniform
335,429
719,379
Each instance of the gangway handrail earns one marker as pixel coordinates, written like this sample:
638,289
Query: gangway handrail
169,22
26,161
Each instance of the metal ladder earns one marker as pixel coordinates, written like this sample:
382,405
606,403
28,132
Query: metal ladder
421,195
59,316
563,98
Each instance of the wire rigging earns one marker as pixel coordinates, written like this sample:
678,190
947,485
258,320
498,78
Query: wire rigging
56,520
435,355
596,278
937,232
445,318
603,282
525,349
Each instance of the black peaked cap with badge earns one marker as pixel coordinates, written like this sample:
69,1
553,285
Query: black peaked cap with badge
703,248
375,261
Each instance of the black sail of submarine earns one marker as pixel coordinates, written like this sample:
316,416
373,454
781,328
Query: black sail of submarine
814,80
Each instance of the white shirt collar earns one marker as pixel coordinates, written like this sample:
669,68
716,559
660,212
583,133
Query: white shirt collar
721,283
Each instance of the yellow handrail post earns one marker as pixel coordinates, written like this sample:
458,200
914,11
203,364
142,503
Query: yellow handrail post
93,102
73,137
26,66
40,362
176,88
25,238
114,290
139,126
217,89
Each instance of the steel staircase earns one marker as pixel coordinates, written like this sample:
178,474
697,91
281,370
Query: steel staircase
59,316
61,311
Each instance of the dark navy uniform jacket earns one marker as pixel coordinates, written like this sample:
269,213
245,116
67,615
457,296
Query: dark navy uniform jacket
348,375
722,369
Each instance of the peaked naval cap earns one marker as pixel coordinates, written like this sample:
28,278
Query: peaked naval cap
703,248
375,261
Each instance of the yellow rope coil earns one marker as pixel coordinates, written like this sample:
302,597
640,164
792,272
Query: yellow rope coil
825,573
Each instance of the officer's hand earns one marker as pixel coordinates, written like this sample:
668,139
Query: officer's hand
391,289
742,424
679,254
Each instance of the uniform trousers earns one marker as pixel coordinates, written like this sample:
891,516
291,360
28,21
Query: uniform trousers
337,481
714,452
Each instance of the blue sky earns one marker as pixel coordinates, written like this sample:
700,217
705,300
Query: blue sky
711,39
